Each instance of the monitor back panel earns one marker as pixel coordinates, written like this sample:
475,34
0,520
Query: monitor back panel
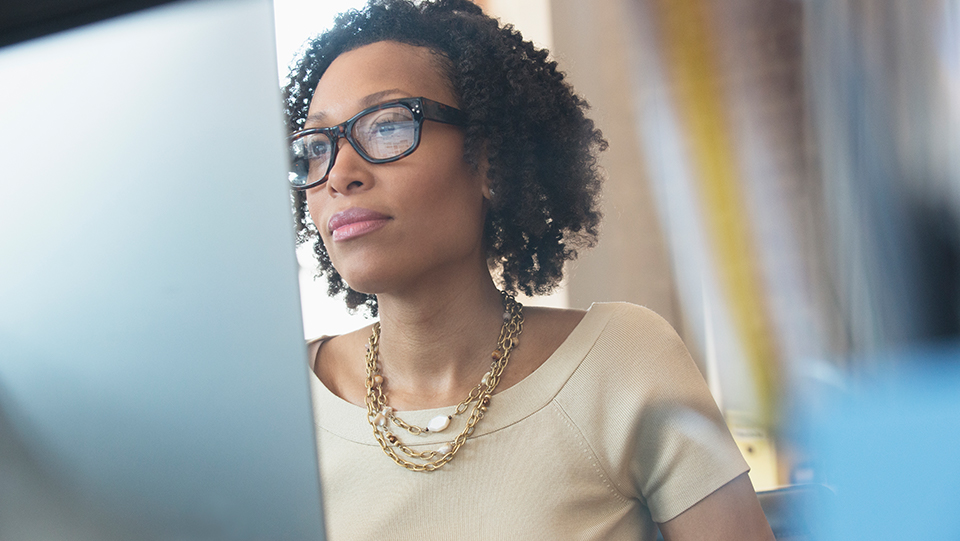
153,382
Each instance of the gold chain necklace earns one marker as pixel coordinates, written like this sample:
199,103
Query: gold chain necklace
380,415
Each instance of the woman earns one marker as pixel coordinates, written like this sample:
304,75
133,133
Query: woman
431,146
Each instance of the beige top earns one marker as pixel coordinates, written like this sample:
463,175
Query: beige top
615,431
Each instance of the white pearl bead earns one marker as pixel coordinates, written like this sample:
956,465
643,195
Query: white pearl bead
380,420
446,448
439,423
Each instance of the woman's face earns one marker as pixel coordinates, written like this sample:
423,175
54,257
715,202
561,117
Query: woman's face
395,225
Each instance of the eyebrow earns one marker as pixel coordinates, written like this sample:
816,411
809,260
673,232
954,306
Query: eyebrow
365,103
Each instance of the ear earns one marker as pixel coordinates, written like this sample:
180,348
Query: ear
482,168
487,191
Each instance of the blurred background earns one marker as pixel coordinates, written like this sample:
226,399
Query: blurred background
784,188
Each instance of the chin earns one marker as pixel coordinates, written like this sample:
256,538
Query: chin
361,289
364,282
363,272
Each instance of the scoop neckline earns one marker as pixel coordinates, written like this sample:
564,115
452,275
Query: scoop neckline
337,416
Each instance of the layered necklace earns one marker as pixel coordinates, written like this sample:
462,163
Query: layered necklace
382,417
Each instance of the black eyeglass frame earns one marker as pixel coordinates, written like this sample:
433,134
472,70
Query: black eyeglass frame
421,108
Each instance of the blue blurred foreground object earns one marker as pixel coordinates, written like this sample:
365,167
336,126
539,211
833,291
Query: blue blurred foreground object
889,447
153,375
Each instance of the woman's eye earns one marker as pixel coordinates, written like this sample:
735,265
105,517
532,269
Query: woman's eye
391,130
387,123
318,150
386,133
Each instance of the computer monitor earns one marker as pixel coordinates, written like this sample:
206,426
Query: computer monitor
153,379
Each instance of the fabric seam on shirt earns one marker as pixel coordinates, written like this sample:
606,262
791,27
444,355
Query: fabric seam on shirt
559,391
591,453
368,444
530,413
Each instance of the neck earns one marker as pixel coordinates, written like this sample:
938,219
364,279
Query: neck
435,345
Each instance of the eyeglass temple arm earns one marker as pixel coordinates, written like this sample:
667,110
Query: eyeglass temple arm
439,112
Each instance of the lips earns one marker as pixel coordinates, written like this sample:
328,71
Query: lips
354,222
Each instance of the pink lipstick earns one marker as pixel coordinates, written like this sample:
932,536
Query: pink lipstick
355,222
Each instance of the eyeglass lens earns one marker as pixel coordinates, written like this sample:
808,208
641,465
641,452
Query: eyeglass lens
381,134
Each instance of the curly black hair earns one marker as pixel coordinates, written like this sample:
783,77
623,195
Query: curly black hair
522,118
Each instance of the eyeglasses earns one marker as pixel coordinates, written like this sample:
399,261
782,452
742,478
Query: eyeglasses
381,134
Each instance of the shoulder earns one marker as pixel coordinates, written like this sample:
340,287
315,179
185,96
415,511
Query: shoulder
544,331
641,402
636,365
554,323
328,346
631,349
630,333
338,361
621,316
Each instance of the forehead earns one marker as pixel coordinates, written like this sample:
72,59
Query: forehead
386,69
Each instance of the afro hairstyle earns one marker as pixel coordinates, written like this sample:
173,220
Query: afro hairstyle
523,119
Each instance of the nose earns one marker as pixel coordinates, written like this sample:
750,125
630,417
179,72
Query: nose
350,172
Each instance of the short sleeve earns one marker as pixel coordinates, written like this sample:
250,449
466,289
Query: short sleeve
683,450
649,416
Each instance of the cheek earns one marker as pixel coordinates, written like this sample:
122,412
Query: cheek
458,213
314,207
